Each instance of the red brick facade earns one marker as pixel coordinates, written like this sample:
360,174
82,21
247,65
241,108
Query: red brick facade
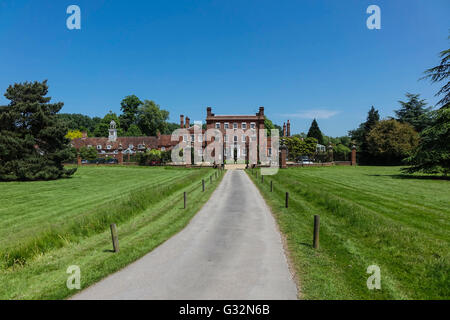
113,145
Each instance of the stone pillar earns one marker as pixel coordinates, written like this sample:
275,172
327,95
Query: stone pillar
120,158
78,159
283,156
330,153
353,155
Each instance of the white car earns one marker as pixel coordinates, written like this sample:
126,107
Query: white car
306,160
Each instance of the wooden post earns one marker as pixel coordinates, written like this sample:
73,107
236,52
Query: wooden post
262,178
287,199
316,232
256,174
271,186
210,179
203,185
115,237
215,173
184,199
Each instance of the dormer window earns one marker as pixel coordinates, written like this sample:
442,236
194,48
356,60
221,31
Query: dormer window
130,146
253,125
99,147
108,147
141,146
217,125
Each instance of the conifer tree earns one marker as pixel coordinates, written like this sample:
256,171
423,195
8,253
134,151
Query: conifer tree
33,145
314,132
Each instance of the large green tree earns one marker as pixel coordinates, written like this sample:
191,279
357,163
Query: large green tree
33,145
130,107
390,141
314,132
413,111
151,118
432,155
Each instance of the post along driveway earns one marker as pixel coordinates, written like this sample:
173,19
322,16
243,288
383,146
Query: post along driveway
230,250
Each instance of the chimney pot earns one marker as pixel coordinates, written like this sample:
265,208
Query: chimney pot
181,121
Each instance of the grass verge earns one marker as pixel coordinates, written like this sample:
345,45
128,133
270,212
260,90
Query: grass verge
369,216
146,217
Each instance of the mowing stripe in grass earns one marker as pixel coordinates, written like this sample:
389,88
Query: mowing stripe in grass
94,221
358,230
44,277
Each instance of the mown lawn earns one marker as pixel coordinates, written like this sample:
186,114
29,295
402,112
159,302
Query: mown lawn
368,216
45,227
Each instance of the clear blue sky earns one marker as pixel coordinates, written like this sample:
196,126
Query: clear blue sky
298,59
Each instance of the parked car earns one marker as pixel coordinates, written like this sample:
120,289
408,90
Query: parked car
306,160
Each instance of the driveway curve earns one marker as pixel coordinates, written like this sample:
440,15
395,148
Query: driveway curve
231,249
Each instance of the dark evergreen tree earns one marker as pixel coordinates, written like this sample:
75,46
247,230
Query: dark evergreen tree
314,132
414,112
441,73
432,155
32,138
359,136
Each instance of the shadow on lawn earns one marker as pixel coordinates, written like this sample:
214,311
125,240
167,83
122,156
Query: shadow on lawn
410,176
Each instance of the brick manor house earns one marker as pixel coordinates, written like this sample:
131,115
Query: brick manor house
116,147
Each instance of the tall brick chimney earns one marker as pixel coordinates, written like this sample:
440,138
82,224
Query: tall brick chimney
261,111
208,112
284,129
187,122
288,128
181,121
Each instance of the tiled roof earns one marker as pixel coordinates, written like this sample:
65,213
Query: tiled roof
149,142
